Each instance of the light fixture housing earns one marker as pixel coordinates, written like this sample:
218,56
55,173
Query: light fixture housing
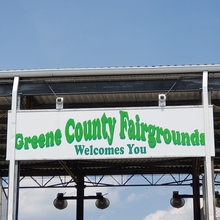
59,103
176,201
60,202
162,100
101,202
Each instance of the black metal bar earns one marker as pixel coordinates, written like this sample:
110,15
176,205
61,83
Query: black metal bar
75,197
80,198
184,196
196,193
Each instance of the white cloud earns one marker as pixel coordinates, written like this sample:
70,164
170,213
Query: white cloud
184,213
134,196
38,204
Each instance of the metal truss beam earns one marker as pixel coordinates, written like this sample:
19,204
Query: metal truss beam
109,181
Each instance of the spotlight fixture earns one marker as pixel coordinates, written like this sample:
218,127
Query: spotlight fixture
60,202
162,100
59,103
176,201
101,202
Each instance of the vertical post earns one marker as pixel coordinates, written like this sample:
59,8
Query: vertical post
17,171
16,192
204,198
209,182
12,186
1,217
80,198
196,193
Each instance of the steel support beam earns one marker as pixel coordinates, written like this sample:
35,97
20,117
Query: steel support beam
209,180
1,214
80,197
196,185
12,198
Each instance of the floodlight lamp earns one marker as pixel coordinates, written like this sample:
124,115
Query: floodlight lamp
162,100
176,201
59,103
60,202
101,202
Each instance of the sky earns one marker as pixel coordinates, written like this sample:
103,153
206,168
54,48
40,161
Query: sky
48,34
93,33
130,203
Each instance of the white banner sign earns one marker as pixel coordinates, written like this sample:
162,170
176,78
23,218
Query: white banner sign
110,133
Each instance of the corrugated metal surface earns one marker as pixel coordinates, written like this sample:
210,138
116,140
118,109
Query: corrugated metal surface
121,97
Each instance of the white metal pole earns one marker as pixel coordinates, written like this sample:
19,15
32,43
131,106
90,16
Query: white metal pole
209,185
17,173
12,185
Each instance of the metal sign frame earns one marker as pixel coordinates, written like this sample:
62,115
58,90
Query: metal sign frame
13,188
